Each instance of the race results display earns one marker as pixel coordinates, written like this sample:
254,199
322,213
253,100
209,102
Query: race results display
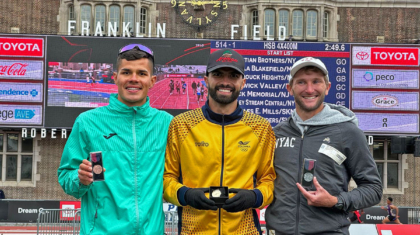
267,69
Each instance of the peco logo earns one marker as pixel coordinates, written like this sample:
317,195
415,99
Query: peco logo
22,47
385,101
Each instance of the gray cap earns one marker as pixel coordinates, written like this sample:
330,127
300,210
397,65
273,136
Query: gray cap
308,61
226,58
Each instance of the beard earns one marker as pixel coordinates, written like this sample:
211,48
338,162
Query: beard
222,99
301,104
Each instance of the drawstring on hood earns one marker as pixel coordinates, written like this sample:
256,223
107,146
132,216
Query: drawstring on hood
330,114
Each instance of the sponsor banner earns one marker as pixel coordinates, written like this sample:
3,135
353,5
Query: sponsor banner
69,210
392,229
22,47
21,92
388,123
365,229
178,75
21,69
20,114
395,56
375,215
387,79
261,215
27,211
368,100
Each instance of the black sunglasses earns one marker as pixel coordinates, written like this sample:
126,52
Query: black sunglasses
139,47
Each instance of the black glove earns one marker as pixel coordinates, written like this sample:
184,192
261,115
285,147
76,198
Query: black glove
244,199
195,197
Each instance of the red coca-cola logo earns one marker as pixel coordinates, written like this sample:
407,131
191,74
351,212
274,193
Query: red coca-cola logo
16,69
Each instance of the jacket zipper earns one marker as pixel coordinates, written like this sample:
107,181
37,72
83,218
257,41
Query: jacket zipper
298,194
133,129
223,163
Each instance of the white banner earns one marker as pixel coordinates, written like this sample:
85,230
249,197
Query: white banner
21,114
21,92
21,69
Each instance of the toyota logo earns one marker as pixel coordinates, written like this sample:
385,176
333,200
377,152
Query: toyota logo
362,55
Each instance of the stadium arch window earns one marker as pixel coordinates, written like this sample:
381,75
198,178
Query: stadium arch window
269,21
71,12
255,20
297,24
17,160
311,24
143,20
129,17
284,21
326,25
114,16
86,14
100,16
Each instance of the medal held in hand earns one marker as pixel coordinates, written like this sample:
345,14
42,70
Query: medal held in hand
308,172
97,166
219,195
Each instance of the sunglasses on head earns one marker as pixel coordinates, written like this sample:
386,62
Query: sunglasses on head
138,46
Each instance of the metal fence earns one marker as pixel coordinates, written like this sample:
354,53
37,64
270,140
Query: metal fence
414,215
58,221
67,222
171,223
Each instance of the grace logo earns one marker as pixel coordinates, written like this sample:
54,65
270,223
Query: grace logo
243,145
385,101
362,55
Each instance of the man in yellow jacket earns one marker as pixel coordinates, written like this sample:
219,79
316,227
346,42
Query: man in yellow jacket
217,152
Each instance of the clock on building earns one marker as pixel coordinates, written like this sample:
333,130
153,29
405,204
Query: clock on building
199,14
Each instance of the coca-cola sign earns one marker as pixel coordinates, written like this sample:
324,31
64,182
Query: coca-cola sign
18,69
22,47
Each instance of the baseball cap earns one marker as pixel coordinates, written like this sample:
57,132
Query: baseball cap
308,61
226,58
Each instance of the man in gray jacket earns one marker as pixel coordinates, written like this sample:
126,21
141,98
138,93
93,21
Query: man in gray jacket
328,134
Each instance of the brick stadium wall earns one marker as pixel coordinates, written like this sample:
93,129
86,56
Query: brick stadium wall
30,16
364,24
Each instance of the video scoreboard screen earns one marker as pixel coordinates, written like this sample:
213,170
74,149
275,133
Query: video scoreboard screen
45,87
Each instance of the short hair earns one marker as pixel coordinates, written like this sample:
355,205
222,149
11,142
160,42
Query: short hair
312,69
135,54
390,199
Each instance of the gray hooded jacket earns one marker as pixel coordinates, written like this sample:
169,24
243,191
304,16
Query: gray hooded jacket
341,152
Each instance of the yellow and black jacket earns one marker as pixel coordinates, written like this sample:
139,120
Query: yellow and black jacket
207,149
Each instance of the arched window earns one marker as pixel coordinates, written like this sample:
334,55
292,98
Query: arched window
297,23
129,17
284,21
311,23
85,14
326,24
143,20
114,15
71,12
100,16
269,19
255,19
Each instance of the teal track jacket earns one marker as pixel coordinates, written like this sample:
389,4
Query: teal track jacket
133,142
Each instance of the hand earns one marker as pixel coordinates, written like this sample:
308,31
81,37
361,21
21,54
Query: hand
244,199
195,197
85,172
320,197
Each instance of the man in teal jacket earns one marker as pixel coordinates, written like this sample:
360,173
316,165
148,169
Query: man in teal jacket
132,137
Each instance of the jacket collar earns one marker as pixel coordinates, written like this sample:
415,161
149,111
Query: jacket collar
118,106
219,118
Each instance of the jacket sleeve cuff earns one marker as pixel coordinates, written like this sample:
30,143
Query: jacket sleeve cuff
259,199
181,195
